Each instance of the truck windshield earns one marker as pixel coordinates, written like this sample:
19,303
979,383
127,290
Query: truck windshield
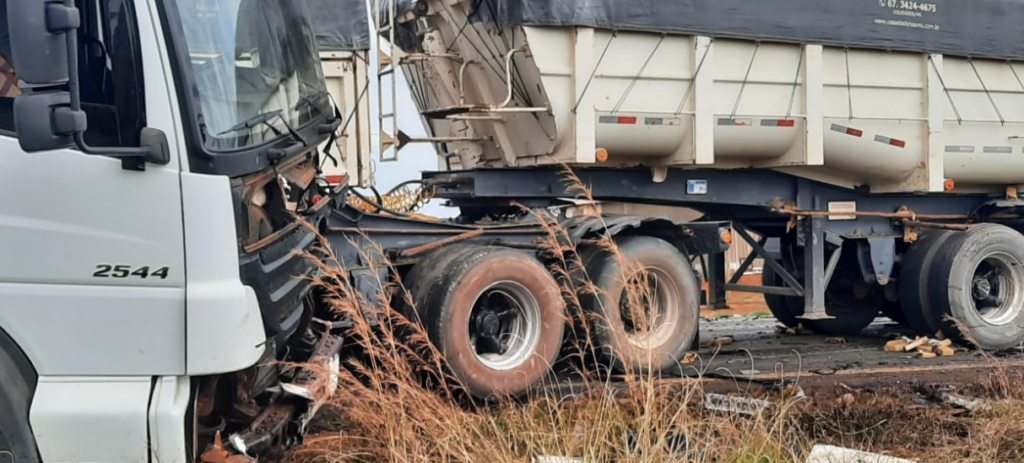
255,66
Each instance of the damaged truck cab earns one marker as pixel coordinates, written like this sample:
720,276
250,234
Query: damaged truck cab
156,159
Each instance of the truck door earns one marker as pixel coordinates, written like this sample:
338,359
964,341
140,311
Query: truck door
91,246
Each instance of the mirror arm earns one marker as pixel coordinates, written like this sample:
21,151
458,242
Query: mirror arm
72,120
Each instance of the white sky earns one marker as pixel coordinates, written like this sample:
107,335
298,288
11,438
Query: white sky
413,158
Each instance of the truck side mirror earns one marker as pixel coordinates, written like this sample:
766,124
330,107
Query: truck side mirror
48,114
40,29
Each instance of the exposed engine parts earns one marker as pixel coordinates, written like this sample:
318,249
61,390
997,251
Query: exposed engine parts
257,413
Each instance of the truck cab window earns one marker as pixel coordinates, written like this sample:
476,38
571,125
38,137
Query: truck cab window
109,72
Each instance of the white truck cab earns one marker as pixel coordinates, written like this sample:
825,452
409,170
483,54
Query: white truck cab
151,172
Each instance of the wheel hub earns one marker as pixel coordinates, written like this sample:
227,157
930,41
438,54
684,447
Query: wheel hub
645,307
995,288
488,323
982,288
504,325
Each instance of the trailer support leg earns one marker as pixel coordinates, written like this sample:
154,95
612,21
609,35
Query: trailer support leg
716,282
814,269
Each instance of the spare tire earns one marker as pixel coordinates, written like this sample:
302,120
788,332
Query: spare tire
654,340
495,315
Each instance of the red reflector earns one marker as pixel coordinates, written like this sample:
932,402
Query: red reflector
786,123
627,119
854,132
336,178
899,143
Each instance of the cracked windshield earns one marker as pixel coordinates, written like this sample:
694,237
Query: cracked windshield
255,67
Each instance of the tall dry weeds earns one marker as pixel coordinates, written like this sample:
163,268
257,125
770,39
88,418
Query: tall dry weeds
396,401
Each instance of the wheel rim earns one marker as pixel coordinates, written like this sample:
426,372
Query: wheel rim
655,309
504,325
995,288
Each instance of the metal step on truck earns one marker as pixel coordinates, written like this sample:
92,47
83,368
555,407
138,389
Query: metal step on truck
161,161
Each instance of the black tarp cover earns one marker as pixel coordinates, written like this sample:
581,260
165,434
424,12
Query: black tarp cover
340,25
982,28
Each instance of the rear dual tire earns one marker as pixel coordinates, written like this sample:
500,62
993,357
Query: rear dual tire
495,315
644,316
975,286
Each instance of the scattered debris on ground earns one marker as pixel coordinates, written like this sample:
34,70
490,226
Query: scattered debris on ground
747,406
896,345
832,454
722,341
922,347
959,401
551,459
799,330
924,354
690,357
784,330
913,345
835,340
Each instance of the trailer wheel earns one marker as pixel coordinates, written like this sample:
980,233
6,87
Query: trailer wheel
853,303
649,331
914,271
894,311
977,279
496,316
784,308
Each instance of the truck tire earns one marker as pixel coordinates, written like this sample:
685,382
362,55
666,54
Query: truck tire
852,314
894,311
426,272
784,308
914,271
625,345
17,385
977,279
853,307
495,315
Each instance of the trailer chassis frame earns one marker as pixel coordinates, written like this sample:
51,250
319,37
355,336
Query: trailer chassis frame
767,202
370,246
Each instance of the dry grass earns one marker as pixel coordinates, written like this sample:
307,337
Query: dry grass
396,402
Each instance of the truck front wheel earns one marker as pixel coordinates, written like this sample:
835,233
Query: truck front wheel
646,309
495,315
17,382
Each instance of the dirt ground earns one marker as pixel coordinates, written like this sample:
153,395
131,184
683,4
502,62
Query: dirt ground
740,303
758,355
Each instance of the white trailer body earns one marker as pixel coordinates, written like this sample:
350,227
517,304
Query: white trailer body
891,120
347,81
